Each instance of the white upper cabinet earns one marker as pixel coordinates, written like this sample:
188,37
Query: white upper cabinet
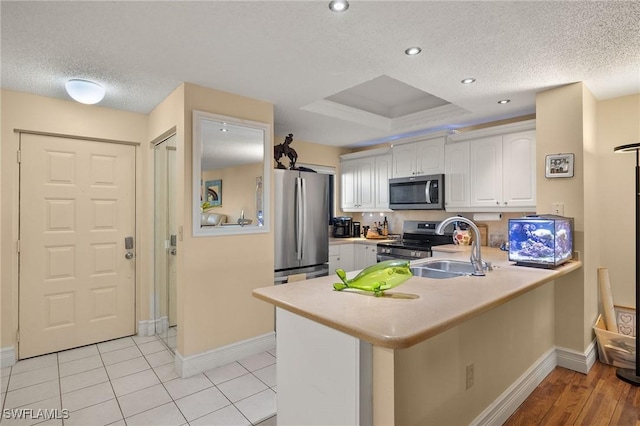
424,157
501,170
486,172
357,184
456,176
382,175
365,181
519,169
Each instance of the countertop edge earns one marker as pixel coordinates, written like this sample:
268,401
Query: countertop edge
406,341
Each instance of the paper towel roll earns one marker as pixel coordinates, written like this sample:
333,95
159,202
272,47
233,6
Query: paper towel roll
487,217
607,300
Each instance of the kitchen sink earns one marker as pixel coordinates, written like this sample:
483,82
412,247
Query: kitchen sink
421,271
456,266
440,269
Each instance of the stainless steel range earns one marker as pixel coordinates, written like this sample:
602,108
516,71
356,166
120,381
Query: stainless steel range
417,239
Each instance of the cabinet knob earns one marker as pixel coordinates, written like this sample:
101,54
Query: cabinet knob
497,203
505,203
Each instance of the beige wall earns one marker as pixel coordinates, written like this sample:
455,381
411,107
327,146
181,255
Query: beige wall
559,129
37,113
430,378
217,274
618,124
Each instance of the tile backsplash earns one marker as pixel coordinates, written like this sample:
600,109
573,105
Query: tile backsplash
498,231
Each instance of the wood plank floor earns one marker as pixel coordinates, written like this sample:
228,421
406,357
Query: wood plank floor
569,398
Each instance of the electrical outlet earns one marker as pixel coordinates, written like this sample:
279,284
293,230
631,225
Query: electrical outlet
469,375
557,208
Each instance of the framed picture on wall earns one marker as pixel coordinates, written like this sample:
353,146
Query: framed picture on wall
213,191
559,166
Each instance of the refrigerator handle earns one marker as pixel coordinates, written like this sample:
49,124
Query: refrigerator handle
304,216
298,218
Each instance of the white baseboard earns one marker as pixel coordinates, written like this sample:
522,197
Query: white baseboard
198,363
7,356
577,361
506,404
153,326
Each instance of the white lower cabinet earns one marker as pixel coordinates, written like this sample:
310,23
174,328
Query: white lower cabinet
364,255
351,256
341,256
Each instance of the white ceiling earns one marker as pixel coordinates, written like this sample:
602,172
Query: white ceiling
295,54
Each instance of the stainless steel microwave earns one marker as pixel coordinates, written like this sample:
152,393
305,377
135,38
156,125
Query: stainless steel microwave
417,193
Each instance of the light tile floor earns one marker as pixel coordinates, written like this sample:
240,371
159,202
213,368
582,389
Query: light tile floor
131,381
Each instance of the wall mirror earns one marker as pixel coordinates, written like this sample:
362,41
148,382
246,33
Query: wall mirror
231,175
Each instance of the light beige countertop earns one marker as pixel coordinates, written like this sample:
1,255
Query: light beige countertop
371,241
416,310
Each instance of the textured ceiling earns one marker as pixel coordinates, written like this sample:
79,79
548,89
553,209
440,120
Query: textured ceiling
294,54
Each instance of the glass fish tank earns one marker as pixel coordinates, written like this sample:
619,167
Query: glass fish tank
544,241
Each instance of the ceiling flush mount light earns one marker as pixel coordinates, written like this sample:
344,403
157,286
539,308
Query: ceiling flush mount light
85,91
339,6
504,101
468,80
412,51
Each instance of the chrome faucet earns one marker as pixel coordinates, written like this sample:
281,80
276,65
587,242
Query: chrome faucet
476,256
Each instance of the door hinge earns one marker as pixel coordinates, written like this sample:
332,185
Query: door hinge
18,246
18,335
19,157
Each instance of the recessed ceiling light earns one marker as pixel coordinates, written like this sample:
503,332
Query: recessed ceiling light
339,6
412,51
504,101
224,130
468,80
85,91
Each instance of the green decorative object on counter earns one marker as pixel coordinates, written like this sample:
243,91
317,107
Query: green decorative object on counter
376,278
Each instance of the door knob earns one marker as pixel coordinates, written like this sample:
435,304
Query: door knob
173,252
129,255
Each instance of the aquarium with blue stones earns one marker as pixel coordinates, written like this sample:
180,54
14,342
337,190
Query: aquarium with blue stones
544,241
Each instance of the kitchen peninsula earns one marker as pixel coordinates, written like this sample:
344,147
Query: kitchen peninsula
352,358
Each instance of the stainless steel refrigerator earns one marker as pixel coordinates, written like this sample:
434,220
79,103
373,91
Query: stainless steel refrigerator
301,224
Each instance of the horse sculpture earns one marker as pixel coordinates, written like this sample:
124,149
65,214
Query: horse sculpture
284,149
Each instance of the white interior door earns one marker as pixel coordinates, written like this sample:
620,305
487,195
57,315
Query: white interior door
77,205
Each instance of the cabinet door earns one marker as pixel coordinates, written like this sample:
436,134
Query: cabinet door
348,184
430,157
456,175
519,169
346,257
486,172
364,255
404,160
382,175
359,256
371,255
366,183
